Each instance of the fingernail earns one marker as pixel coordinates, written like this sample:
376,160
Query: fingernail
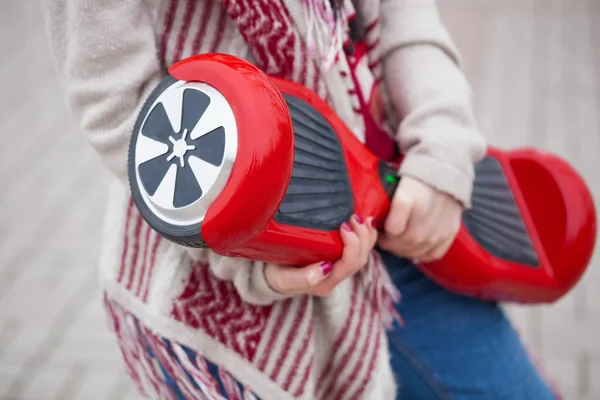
346,227
358,218
326,268
373,223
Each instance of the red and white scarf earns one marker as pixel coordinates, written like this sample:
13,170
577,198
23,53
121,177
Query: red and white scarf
278,339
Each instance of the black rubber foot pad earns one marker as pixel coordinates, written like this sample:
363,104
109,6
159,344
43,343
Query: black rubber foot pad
319,195
495,221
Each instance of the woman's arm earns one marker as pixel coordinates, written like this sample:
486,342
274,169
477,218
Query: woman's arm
107,58
437,132
432,98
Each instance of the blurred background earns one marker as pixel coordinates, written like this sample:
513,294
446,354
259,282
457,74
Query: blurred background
535,70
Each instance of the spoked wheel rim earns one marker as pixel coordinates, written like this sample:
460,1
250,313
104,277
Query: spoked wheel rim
185,147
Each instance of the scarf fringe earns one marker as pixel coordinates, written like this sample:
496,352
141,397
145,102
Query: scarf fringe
384,294
326,29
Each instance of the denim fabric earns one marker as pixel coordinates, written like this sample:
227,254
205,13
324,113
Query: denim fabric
455,347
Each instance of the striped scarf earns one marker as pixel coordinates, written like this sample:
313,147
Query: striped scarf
310,348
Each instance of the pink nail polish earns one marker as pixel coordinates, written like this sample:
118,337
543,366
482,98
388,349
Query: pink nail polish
346,227
326,268
358,218
373,223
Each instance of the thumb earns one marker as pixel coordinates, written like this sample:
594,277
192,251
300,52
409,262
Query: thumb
401,207
285,279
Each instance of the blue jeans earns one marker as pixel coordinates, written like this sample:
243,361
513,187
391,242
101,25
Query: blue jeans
454,347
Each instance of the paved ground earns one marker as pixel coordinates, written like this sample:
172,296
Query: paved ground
535,68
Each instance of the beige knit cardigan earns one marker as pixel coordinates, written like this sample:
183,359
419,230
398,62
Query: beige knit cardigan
111,53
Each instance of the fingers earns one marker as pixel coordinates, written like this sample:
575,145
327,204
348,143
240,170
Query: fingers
418,237
400,211
358,236
351,240
424,243
422,222
363,231
373,234
404,229
437,252
414,242
294,280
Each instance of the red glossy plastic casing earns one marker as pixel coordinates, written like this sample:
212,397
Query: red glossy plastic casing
240,223
556,205
558,210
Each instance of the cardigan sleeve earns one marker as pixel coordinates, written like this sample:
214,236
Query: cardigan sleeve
437,132
107,59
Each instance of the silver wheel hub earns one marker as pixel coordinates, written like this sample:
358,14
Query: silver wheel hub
180,147
184,152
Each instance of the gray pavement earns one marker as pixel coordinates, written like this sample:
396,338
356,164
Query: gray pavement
535,69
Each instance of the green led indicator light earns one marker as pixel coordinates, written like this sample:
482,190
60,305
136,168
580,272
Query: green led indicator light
391,178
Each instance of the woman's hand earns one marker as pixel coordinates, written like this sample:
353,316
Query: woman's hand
359,238
422,222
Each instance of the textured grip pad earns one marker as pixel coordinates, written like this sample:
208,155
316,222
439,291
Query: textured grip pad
495,220
319,195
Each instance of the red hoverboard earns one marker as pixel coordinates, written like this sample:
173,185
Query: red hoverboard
223,156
